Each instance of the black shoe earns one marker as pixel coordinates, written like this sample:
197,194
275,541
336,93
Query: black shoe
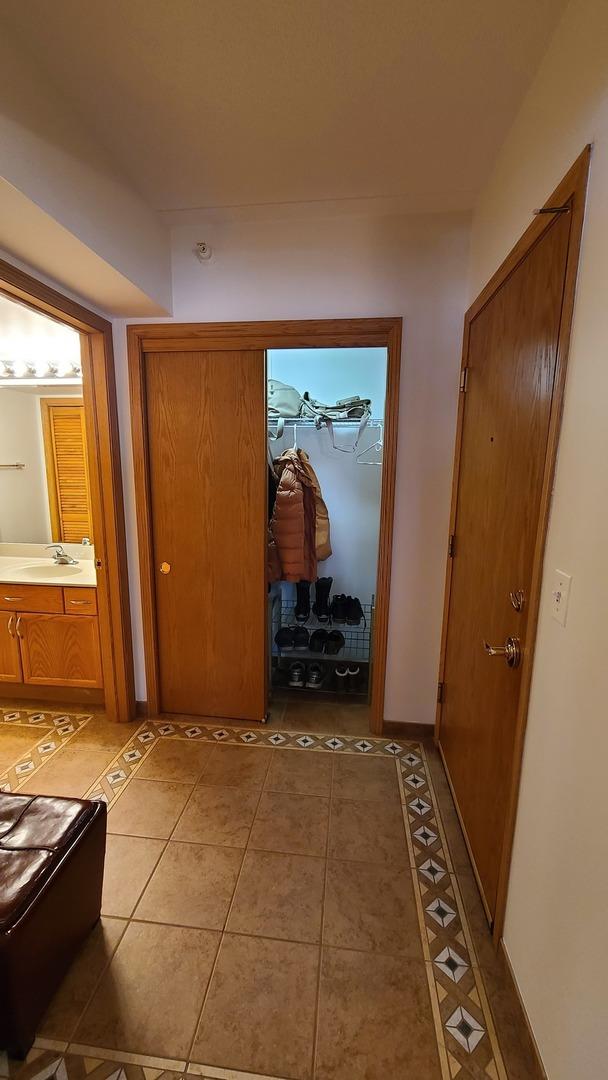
284,638
318,640
302,610
341,678
315,677
301,638
296,674
334,643
339,608
354,611
352,680
321,605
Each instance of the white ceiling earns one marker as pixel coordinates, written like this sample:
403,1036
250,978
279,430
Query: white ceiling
232,102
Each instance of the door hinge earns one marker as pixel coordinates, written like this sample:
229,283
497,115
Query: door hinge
464,379
451,544
440,693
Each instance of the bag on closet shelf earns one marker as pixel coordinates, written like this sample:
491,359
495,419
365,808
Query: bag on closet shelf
351,408
284,401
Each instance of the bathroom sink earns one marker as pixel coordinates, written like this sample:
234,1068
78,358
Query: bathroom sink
43,572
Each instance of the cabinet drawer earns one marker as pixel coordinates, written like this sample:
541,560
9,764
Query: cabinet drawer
80,601
44,598
60,650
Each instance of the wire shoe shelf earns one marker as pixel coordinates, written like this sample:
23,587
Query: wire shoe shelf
357,639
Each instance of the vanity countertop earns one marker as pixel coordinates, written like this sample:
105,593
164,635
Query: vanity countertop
28,570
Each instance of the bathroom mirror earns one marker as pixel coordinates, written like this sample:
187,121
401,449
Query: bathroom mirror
44,482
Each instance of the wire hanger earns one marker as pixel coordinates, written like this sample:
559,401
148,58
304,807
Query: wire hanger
377,445
295,436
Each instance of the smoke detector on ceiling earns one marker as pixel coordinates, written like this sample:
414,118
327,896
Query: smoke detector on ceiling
203,251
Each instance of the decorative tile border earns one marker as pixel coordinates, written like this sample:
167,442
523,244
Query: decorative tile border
56,728
466,1036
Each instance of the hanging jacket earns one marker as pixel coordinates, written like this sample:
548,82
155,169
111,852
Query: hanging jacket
300,521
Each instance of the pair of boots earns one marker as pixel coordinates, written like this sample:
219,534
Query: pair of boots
320,606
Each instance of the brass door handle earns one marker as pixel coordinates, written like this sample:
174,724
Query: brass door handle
17,627
165,568
511,651
10,625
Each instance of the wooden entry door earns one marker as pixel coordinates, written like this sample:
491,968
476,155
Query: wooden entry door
510,356
206,434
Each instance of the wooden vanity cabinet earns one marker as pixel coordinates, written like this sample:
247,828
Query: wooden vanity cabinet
10,654
49,636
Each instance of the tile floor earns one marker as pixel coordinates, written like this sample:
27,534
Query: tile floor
276,905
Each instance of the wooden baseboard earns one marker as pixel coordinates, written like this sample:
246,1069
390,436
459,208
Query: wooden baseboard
405,730
57,697
524,1015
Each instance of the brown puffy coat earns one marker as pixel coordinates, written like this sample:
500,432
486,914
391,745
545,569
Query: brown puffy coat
300,523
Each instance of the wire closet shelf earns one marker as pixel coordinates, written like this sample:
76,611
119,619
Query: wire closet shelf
357,639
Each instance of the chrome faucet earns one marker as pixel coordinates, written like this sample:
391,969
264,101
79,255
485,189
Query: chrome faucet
61,557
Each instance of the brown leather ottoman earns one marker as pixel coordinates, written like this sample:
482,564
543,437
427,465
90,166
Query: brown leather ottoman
51,871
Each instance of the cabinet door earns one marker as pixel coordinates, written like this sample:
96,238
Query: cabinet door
10,659
60,650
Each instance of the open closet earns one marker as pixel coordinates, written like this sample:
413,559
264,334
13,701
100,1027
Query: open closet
265,461
326,438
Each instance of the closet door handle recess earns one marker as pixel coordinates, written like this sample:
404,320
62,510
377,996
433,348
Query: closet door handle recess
18,627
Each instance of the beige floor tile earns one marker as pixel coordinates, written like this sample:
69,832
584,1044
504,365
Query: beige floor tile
237,766
175,759
217,815
259,1013
371,907
325,717
375,1019
367,779
101,734
15,742
130,861
69,773
292,823
300,773
279,896
192,886
367,832
74,993
148,808
150,997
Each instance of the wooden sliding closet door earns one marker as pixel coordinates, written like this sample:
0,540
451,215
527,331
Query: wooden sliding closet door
206,417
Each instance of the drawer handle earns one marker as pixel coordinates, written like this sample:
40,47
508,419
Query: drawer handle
12,599
18,627
79,603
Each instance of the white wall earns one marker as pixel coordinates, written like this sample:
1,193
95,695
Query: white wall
24,506
351,490
50,156
555,930
342,266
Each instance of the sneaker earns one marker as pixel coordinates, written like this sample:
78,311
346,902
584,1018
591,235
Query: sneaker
315,677
301,638
352,679
341,677
296,674
284,638
321,605
354,611
302,609
334,643
339,608
318,640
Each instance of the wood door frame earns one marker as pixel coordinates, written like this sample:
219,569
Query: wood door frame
293,334
570,191
103,451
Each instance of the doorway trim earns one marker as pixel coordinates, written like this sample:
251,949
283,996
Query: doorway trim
571,191
311,333
103,451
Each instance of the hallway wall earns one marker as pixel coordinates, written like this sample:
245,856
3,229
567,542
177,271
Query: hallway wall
555,931
291,263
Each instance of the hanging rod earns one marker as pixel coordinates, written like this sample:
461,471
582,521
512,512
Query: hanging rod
305,421
17,465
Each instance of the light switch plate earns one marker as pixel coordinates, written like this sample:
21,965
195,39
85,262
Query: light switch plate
560,594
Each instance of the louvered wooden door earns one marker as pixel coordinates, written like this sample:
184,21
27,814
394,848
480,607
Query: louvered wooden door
65,447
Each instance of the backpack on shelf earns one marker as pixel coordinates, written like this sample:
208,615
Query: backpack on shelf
350,408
